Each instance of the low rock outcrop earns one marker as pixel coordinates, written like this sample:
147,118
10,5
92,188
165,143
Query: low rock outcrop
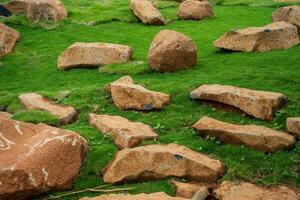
8,39
194,9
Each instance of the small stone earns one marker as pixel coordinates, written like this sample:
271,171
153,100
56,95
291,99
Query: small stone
293,126
201,194
187,190
8,39
290,14
194,9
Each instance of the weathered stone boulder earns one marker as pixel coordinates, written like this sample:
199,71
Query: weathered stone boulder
8,39
194,9
44,159
277,35
17,6
188,190
201,194
40,10
293,126
5,115
171,51
290,14
145,11
247,191
152,196
122,80
257,137
127,95
160,161
259,104
125,133
66,114
93,54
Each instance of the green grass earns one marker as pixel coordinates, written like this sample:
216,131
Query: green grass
31,67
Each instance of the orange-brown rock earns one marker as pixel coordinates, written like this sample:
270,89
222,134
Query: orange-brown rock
160,161
44,159
40,10
145,11
201,194
290,14
93,54
5,115
127,95
277,35
152,196
188,190
122,80
125,133
257,137
293,126
8,39
247,191
171,51
66,114
194,9
17,6
259,104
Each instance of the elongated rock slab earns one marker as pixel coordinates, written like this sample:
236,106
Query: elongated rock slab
293,125
247,191
145,11
93,54
8,39
44,159
277,35
160,161
125,133
257,137
152,196
259,104
66,114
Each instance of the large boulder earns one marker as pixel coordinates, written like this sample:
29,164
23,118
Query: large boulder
93,54
171,51
194,9
277,35
293,125
259,104
290,14
125,133
257,137
152,196
146,11
65,114
44,159
127,95
247,191
160,161
8,39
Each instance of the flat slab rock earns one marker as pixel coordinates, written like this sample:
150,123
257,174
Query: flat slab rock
257,137
194,9
189,189
44,159
290,14
127,95
66,114
160,161
93,55
259,104
247,191
146,11
125,133
8,39
152,196
277,35
171,51
293,125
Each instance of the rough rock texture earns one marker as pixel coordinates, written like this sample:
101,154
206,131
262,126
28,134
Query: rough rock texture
259,104
17,6
293,126
44,158
122,80
187,190
247,191
290,14
152,196
160,161
8,39
171,51
41,10
5,115
277,35
66,114
93,54
145,11
193,9
127,95
257,137
201,194
125,133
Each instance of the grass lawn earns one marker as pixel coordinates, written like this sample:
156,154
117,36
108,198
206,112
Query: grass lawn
31,67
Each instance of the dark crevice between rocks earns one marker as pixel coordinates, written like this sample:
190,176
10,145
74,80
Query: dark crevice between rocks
4,12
